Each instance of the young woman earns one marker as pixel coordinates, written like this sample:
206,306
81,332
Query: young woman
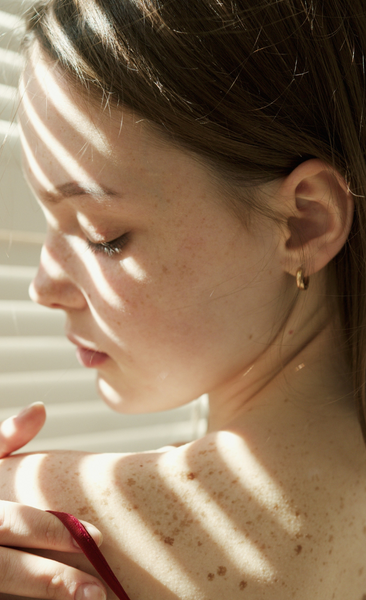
202,171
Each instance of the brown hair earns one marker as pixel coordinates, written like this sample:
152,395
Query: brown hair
255,87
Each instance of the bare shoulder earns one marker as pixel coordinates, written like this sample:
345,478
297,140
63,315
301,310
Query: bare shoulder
217,518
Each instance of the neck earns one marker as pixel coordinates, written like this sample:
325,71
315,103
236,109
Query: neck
304,364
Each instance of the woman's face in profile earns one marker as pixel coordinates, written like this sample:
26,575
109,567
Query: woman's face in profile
149,265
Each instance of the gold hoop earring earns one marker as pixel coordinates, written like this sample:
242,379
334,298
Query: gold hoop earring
302,282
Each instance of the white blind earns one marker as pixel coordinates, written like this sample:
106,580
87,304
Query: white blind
36,361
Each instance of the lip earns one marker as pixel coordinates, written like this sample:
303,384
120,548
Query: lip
90,358
87,357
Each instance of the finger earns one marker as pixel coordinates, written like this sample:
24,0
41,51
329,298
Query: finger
17,431
27,527
32,576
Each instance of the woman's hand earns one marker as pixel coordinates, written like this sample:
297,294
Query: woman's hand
25,574
17,431
28,575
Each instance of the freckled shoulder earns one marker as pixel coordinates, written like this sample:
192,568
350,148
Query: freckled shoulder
205,521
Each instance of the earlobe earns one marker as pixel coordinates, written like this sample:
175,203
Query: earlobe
319,213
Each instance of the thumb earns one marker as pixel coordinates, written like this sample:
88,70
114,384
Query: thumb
17,431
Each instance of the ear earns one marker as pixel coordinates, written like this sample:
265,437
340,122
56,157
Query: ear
319,211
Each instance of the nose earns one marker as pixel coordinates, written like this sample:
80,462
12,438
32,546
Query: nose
53,287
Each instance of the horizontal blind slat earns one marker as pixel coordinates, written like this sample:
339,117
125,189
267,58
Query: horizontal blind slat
36,353
52,386
23,318
135,440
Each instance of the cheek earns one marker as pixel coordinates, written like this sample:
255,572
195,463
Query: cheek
190,293
150,308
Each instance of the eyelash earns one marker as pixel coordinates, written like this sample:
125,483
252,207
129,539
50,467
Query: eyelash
111,248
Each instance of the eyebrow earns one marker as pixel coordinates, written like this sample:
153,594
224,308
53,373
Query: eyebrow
72,188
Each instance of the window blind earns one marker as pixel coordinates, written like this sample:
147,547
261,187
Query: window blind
36,361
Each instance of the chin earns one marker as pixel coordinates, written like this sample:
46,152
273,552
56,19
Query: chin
122,401
136,400
111,396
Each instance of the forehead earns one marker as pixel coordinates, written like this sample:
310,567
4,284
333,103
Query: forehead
47,96
58,123
65,137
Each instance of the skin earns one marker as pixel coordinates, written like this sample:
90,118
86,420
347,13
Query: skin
196,302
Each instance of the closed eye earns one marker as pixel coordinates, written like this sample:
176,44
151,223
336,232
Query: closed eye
111,248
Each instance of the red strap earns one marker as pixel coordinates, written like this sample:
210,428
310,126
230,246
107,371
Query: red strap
91,551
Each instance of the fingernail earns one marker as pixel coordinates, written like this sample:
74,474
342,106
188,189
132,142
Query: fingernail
90,591
25,412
